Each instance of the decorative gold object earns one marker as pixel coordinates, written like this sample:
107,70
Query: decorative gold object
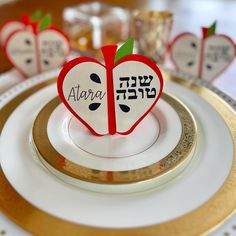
152,30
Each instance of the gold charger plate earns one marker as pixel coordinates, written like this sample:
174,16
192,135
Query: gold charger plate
219,207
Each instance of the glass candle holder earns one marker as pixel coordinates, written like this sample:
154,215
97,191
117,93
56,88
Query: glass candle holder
93,25
152,30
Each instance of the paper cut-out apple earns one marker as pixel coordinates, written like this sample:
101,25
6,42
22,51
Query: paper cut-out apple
111,98
204,58
35,47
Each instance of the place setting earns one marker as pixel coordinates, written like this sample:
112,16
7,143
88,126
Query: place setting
109,140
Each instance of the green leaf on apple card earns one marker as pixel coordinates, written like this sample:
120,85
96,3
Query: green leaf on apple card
125,49
212,29
45,22
36,16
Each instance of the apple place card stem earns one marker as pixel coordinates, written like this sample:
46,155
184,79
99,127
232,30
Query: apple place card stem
109,53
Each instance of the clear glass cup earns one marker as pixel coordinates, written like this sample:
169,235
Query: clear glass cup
151,30
93,25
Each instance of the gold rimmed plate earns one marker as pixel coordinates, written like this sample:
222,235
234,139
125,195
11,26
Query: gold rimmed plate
136,160
199,197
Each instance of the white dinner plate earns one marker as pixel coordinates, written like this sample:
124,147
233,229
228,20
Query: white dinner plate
159,133
135,162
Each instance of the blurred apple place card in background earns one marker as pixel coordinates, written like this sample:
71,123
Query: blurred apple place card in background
33,45
205,57
114,97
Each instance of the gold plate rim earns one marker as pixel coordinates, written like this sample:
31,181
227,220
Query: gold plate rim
178,155
219,207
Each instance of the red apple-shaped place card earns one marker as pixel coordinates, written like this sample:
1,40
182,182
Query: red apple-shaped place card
204,58
33,46
114,97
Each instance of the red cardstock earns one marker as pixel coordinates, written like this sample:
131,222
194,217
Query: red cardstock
206,57
110,98
32,51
